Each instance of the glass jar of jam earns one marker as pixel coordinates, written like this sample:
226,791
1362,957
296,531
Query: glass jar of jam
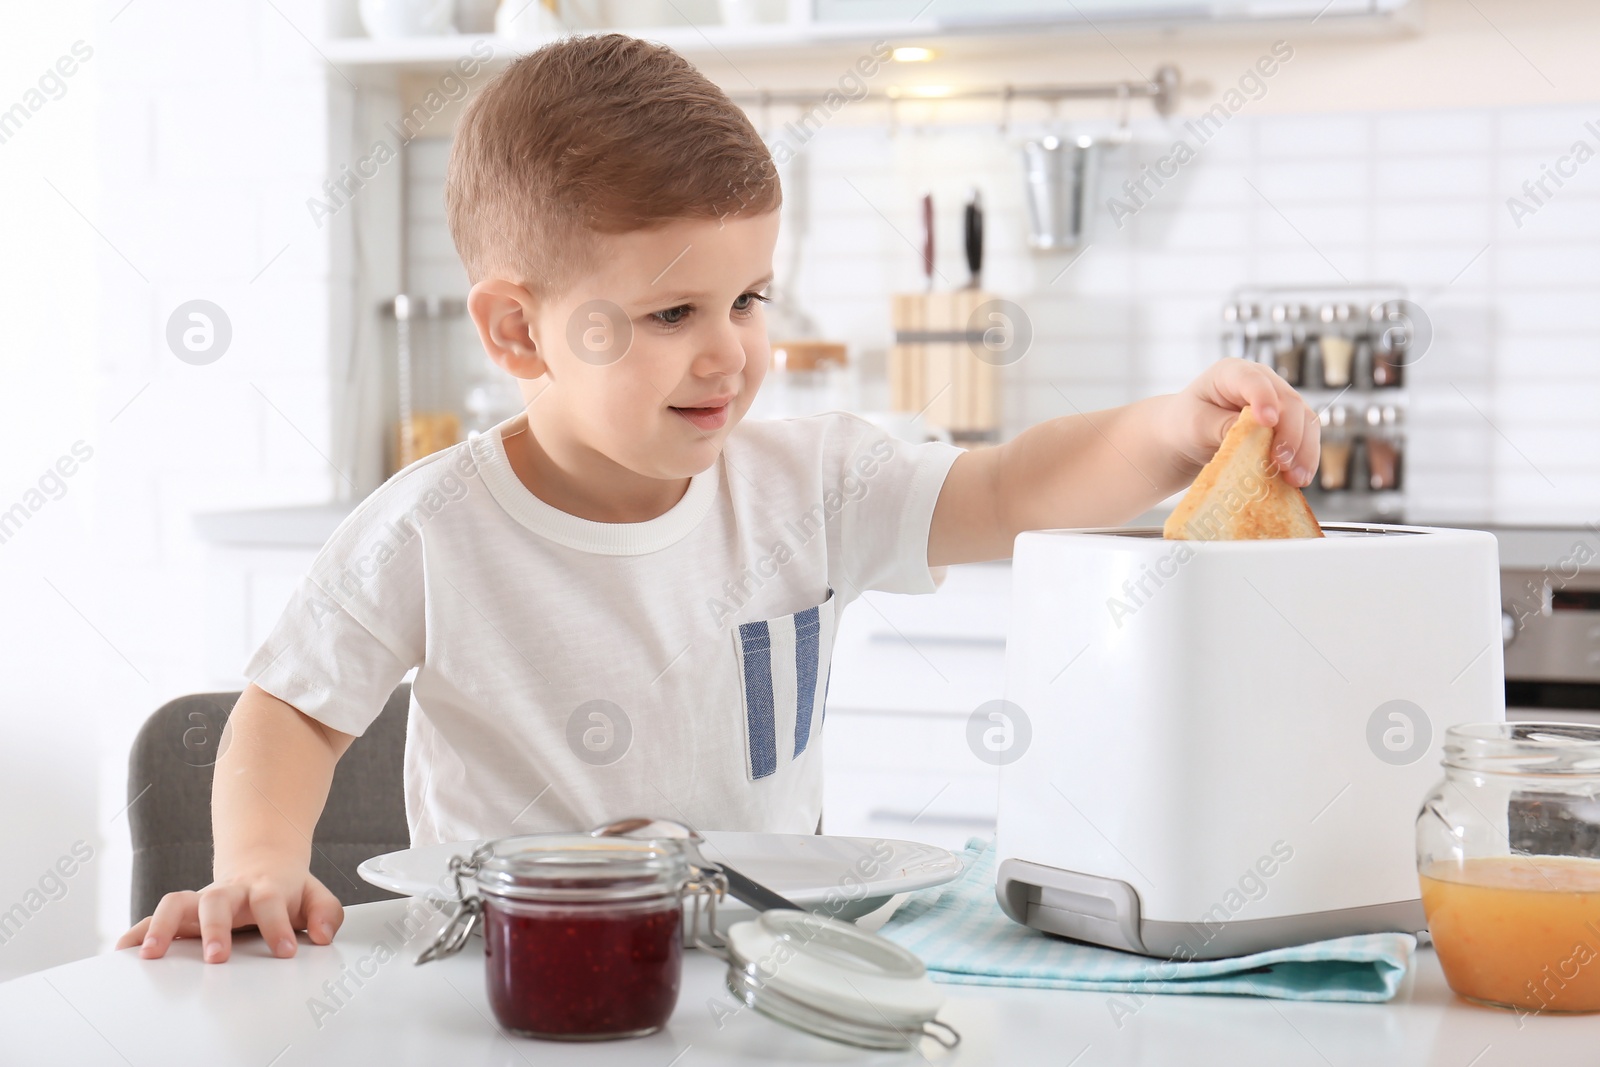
1508,854
583,935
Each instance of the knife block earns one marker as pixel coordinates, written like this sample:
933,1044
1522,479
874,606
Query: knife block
933,366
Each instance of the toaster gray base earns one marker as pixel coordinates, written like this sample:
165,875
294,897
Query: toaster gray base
1105,911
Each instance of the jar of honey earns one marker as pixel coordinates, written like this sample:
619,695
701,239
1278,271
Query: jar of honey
1508,854
583,935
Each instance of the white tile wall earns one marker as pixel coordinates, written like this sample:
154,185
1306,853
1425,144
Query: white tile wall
1413,197
431,262
210,128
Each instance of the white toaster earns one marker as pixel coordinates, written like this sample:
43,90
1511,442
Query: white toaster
1221,747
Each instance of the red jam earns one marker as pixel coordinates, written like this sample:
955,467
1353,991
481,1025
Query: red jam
575,971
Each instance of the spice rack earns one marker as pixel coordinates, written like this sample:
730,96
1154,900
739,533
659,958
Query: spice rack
1346,349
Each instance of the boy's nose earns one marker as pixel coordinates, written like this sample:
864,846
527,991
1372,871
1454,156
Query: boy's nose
722,353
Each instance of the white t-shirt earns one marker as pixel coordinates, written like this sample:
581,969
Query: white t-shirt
571,672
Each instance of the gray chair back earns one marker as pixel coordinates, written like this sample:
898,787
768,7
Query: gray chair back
169,794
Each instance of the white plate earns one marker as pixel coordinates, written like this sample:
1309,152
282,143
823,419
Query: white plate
846,877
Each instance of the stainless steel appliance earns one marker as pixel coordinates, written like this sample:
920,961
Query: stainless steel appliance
1550,601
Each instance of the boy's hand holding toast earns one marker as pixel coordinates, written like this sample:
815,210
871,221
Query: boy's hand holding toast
1103,468
1213,401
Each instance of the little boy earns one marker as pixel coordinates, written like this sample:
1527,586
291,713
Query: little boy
623,600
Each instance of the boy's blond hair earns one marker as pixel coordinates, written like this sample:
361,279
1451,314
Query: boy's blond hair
605,134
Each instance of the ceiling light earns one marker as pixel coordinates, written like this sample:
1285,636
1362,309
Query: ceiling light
912,55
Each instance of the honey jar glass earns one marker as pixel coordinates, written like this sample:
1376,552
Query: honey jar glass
1508,855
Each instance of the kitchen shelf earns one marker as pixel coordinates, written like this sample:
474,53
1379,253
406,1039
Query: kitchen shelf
1320,396
414,51
807,38
307,526
724,41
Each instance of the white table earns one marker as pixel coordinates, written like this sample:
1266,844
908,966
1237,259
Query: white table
257,1011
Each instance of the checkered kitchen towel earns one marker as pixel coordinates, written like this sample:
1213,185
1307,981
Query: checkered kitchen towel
964,938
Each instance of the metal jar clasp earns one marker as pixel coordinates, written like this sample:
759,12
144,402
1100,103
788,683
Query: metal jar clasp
453,938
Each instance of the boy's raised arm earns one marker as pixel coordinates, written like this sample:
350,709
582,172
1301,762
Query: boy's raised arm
270,785
1104,468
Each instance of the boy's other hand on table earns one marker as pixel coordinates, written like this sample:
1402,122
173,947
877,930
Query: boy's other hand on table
276,901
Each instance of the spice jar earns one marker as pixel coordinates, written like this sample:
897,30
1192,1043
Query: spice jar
1289,348
583,935
1383,448
1333,472
427,420
1250,331
1336,345
1233,342
1392,337
809,377
1508,854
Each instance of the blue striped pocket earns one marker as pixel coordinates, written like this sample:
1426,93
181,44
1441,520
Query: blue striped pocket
783,675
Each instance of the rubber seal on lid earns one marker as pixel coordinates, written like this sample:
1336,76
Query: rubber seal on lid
831,979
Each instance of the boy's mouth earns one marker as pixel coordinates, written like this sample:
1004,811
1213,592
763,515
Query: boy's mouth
706,417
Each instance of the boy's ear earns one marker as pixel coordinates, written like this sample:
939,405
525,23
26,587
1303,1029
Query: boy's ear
505,315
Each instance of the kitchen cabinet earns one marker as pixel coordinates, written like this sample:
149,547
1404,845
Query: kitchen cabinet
908,672
937,652
254,561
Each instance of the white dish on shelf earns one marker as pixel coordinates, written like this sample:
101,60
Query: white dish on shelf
845,877
388,20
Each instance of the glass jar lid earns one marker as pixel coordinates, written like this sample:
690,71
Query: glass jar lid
580,867
834,980
1534,749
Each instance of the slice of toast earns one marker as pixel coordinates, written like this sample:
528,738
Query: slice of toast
1240,495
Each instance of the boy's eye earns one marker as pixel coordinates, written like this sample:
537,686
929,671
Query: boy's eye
672,316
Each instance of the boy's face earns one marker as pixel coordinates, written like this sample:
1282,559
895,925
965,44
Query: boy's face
653,358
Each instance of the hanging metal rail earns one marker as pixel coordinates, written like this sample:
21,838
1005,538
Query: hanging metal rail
1162,91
